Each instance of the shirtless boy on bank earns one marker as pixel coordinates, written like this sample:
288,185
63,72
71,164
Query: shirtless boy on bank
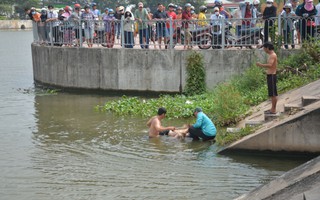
155,128
271,70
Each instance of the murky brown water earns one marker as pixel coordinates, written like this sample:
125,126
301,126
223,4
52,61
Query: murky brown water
59,147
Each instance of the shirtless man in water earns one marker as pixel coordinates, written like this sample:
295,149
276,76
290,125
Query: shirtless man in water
271,70
155,128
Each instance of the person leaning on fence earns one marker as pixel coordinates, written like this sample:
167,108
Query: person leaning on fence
307,24
288,25
186,17
142,17
269,14
128,28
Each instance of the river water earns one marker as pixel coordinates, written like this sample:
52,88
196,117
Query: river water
56,146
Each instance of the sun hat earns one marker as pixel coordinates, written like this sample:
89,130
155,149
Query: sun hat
198,109
140,5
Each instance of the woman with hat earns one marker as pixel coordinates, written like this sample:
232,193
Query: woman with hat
203,128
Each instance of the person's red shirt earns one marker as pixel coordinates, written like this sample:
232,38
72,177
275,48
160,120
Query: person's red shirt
173,16
186,17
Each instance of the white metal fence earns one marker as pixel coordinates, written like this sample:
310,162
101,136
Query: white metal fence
167,34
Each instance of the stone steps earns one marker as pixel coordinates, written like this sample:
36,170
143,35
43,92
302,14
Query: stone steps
289,109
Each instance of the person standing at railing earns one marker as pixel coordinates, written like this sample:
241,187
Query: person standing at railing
216,21
317,19
96,12
118,15
178,24
75,22
186,17
161,17
67,26
173,16
269,14
109,24
151,28
238,22
128,28
222,11
294,4
308,26
53,25
88,18
202,19
248,15
288,25
142,17
43,36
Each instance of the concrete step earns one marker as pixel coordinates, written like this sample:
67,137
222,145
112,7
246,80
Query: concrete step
307,100
269,117
292,108
252,123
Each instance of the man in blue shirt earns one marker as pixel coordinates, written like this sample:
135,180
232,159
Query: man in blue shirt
203,128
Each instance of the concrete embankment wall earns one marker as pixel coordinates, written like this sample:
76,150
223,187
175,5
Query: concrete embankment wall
132,69
15,24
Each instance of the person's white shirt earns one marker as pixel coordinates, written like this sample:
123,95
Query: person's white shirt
216,20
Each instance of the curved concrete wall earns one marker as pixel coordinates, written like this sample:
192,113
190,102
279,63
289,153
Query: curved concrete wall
132,69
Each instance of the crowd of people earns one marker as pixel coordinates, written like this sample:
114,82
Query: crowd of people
71,26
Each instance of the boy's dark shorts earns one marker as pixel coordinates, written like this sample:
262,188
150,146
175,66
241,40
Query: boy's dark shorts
166,132
272,85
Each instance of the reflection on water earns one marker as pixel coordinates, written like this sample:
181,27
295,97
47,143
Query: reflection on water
94,154
59,147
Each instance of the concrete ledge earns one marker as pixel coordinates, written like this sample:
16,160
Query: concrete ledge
297,184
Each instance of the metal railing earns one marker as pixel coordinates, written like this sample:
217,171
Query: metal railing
168,34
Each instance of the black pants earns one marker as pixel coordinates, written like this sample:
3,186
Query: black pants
196,134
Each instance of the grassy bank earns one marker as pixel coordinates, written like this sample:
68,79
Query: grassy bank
229,102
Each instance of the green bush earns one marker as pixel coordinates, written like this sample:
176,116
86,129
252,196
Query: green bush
196,74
